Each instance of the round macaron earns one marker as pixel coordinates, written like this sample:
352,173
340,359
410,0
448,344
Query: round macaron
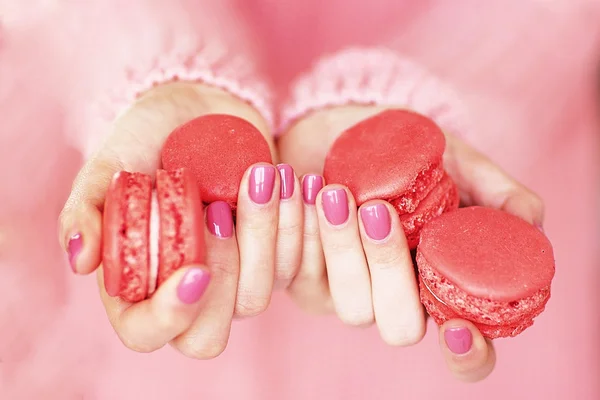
485,266
217,149
148,234
395,156
442,198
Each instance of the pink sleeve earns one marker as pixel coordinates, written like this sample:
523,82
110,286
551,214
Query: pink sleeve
376,76
124,48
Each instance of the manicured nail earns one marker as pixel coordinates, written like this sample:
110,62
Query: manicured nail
376,220
458,340
311,186
262,180
539,226
286,172
219,219
73,249
193,285
335,206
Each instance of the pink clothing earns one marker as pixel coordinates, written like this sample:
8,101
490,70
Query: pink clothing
515,77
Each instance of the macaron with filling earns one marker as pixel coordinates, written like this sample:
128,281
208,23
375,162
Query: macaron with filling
148,234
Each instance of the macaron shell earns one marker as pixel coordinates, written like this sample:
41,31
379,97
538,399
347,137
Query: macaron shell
125,236
488,254
181,239
442,313
443,198
217,149
396,153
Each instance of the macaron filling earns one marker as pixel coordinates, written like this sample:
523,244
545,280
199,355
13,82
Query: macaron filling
443,198
441,312
153,243
423,184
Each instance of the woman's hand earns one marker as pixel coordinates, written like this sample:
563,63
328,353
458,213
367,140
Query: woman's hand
357,263
242,262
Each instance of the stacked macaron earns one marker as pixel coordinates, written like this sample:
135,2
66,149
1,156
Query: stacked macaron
148,234
475,263
395,156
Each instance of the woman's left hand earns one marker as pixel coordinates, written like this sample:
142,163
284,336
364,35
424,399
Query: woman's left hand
356,262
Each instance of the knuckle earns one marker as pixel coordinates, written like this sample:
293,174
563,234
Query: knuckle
339,246
309,274
289,230
403,336
311,236
164,321
286,270
137,345
224,268
202,350
386,260
258,222
357,318
251,304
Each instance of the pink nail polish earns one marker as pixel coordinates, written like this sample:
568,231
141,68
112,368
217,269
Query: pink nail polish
458,340
539,226
219,219
286,172
73,249
376,220
335,206
193,285
262,181
311,186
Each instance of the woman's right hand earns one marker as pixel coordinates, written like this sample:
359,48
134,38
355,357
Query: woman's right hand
243,263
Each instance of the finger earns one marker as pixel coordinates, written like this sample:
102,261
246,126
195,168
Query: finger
150,324
289,231
347,269
310,288
398,310
469,356
80,221
483,183
207,337
257,221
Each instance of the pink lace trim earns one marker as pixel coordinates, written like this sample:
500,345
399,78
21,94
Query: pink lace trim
212,64
376,76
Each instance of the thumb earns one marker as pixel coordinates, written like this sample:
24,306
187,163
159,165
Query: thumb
469,356
150,324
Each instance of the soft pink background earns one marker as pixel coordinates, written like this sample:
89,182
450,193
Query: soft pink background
526,70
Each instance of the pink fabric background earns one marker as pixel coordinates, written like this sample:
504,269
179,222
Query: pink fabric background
526,71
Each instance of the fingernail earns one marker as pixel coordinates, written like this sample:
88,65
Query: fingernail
219,219
539,226
311,186
262,180
286,172
193,285
335,206
376,220
458,340
73,249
